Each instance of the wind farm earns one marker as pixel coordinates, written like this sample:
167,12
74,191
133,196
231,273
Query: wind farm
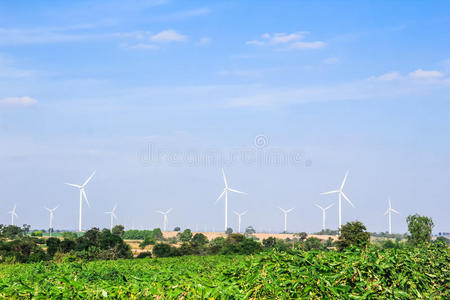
167,149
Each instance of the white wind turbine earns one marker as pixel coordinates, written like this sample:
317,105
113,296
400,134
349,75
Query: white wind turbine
164,213
13,214
112,216
225,193
341,194
285,212
324,214
388,212
51,211
82,194
239,217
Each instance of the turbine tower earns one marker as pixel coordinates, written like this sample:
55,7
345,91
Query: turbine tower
51,211
225,193
285,211
82,194
112,215
388,212
13,214
239,217
324,214
341,194
164,213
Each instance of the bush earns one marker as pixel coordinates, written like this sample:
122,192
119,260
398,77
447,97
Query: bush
164,250
144,255
353,234
313,243
185,236
36,233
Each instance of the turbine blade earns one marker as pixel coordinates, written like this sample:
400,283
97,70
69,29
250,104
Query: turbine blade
386,212
394,211
329,206
282,209
85,197
224,178
221,195
89,179
330,192
55,207
244,212
289,210
74,185
168,211
343,181
161,212
236,213
236,191
319,206
348,200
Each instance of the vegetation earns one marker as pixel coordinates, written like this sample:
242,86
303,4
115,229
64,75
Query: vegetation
420,228
353,234
408,273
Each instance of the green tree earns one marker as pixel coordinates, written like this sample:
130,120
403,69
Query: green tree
53,246
269,242
313,243
199,240
118,230
177,229
353,234
229,230
420,228
163,250
12,232
250,230
185,236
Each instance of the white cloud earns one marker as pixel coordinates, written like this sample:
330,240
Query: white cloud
308,45
387,77
289,40
17,102
204,41
168,36
140,46
423,74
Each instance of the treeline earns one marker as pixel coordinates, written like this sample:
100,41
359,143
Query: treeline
17,246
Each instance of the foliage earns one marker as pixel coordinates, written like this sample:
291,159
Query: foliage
327,232
250,230
118,230
301,235
353,234
185,236
229,230
164,250
313,243
420,228
11,232
69,235
370,273
199,240
144,255
36,233
237,243
177,229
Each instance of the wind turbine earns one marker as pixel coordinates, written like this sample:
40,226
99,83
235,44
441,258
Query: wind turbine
388,212
285,211
51,211
341,194
324,214
112,215
82,194
164,213
239,217
13,214
225,193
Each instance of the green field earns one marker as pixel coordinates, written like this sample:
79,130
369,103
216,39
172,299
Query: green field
371,273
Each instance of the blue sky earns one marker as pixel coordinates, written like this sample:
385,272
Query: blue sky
331,86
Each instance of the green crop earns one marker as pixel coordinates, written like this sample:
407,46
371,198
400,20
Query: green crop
357,274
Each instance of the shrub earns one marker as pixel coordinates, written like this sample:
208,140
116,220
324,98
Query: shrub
420,228
313,243
353,234
144,255
164,250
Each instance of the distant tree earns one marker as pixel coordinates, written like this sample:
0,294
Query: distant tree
250,230
36,233
215,245
69,235
229,230
12,232
163,250
353,234
144,255
185,236
420,228
26,229
329,242
442,240
53,246
177,229
301,235
313,243
118,230
269,242
199,240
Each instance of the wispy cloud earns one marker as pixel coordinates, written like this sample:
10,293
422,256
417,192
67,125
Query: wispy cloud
387,76
290,40
417,76
330,61
18,102
423,74
168,36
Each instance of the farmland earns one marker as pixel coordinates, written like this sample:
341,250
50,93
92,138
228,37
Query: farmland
355,274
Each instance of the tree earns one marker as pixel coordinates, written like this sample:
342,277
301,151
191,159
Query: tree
185,236
26,229
250,230
353,234
177,229
199,240
163,250
269,242
420,228
229,230
53,246
301,235
313,243
12,232
118,230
